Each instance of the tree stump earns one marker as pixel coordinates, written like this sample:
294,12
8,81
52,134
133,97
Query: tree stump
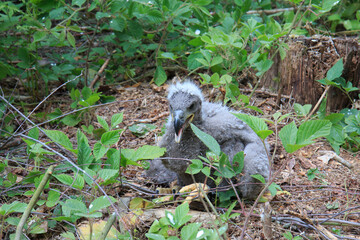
308,59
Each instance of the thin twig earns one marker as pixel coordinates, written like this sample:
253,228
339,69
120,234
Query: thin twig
318,103
97,76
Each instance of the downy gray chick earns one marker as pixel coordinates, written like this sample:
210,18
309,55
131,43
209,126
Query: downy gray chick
187,105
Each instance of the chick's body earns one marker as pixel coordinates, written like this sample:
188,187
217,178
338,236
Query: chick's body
187,105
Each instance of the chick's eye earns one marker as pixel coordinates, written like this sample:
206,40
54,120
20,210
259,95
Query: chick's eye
192,107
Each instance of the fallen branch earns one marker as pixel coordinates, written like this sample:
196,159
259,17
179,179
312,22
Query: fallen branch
319,227
332,155
32,202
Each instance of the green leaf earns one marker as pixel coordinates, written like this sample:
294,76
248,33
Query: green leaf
78,3
202,2
263,134
135,29
168,55
106,174
142,129
92,174
160,76
206,171
90,100
192,63
288,235
25,57
225,167
259,177
39,35
86,92
68,180
294,139
103,123
154,236
216,60
206,55
327,5
99,150
337,135
110,138
37,229
288,136
15,206
190,231
312,173
12,221
238,162
215,79
336,70
257,124
113,161
311,130
263,66
60,138
208,140
302,110
70,120
155,16
53,198
118,24
34,133
84,151
255,109
195,167
273,188
71,39
148,152
73,206
100,15
89,215
203,62
100,203
181,216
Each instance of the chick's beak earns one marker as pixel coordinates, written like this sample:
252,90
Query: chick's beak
180,123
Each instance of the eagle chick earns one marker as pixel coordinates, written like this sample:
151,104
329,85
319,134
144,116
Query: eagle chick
187,105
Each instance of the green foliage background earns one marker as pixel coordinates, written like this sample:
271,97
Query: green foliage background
44,41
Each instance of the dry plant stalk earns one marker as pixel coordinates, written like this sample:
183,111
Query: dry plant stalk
266,220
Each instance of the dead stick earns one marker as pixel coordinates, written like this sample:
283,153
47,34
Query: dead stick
107,227
318,103
32,202
272,11
97,76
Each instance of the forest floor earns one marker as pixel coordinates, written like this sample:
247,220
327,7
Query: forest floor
333,194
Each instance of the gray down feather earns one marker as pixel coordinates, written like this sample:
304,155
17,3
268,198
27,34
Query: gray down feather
187,105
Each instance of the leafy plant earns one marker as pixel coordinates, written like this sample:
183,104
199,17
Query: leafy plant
289,236
294,138
74,209
6,210
345,129
141,129
174,221
86,98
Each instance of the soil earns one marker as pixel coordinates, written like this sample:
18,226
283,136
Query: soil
299,208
